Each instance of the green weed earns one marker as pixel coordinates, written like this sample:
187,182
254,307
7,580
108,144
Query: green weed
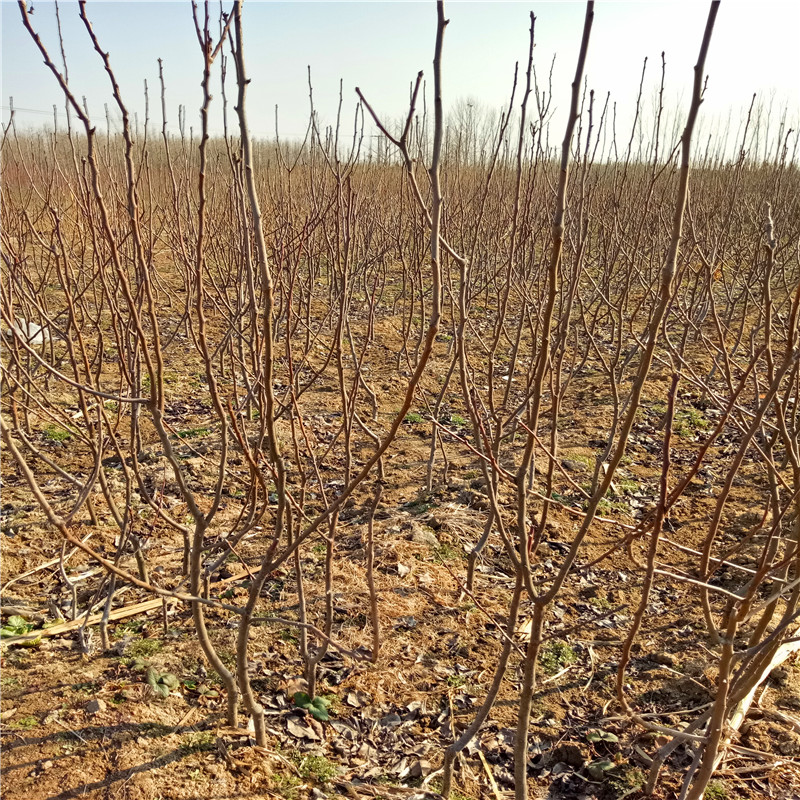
688,422
144,648
24,723
161,684
54,433
716,791
16,626
286,785
555,656
89,687
198,742
155,729
627,486
316,768
446,552
192,433
419,508
316,706
228,657
626,779
436,786
606,506
131,626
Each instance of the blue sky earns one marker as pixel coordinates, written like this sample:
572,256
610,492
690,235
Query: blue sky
380,46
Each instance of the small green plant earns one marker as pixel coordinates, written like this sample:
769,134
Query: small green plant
597,769
456,681
192,433
689,421
418,507
555,656
716,791
161,684
331,699
317,706
457,420
228,657
54,433
89,687
436,786
155,729
144,648
122,694
123,628
625,780
202,690
413,417
316,768
198,742
606,506
597,736
24,723
446,552
627,486
15,626
286,784
137,664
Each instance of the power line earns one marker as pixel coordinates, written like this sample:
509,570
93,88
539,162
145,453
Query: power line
29,110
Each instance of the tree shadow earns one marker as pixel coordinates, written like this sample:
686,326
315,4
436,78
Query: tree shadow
94,735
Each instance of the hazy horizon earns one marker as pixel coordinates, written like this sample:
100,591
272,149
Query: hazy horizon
381,47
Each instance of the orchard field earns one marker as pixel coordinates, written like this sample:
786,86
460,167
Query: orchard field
466,465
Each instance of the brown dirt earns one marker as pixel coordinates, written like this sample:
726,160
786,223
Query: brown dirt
439,645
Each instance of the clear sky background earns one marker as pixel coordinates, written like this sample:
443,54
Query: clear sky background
380,46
